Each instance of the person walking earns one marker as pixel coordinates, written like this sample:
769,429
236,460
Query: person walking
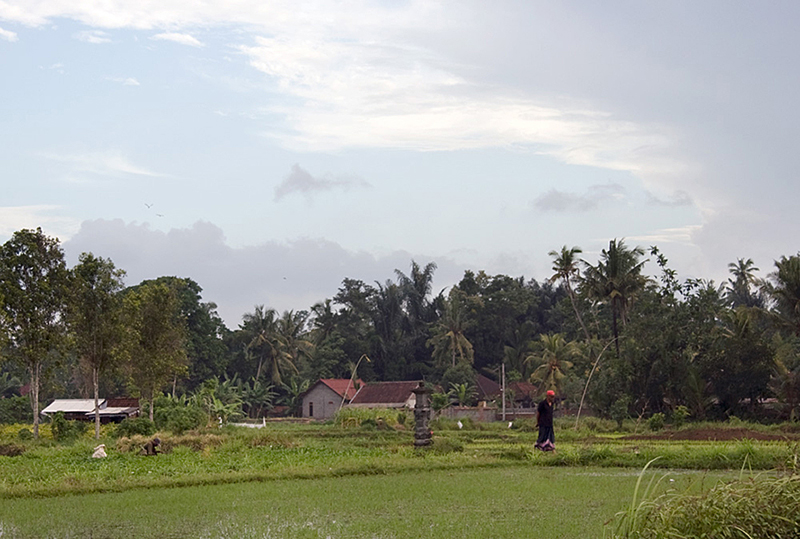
544,420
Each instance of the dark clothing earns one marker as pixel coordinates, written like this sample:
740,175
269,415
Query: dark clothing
546,440
544,419
150,448
544,414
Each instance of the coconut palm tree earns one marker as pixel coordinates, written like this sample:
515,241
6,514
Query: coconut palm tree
265,343
739,288
552,362
449,341
615,280
785,290
566,269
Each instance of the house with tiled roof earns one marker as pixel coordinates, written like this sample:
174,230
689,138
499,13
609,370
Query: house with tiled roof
324,398
386,395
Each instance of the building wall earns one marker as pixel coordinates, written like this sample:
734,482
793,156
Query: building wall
321,402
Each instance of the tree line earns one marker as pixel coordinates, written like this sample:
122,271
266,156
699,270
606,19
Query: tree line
604,335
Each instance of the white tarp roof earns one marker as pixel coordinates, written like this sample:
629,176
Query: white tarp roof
72,406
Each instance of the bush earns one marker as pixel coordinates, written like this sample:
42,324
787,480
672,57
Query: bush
177,417
16,410
679,416
656,421
619,410
25,434
135,425
64,430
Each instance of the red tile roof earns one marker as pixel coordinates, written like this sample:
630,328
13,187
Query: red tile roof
340,385
385,393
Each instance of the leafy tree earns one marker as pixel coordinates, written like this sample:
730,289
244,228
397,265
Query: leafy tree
95,317
33,278
156,338
206,352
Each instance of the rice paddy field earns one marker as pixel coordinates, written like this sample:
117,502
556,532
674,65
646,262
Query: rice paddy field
329,481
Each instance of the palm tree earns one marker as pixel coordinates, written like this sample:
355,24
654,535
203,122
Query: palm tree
785,289
615,280
739,287
265,342
565,268
552,361
518,347
449,341
293,340
416,288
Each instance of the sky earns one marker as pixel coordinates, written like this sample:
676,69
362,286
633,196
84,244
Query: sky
269,150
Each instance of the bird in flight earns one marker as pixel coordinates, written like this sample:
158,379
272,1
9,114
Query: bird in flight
148,205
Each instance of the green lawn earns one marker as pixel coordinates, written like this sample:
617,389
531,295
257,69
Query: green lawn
512,501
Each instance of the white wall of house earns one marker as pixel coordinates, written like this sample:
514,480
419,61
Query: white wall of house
321,402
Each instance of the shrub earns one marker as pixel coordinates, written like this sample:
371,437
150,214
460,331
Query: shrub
656,421
64,430
679,416
619,410
25,434
402,418
178,418
16,410
135,425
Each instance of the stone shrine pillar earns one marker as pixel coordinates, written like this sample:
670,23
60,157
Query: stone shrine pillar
422,412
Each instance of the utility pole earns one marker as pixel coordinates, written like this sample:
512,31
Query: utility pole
503,387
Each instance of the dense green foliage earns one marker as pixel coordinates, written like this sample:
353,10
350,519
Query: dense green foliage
605,336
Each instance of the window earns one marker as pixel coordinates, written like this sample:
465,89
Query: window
310,409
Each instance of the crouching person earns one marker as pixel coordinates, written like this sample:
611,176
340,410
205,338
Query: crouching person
151,447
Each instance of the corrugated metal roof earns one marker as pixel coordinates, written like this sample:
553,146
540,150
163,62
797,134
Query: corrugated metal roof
385,393
72,406
340,385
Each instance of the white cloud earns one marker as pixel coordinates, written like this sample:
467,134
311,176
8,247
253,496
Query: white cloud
13,218
126,81
8,35
352,76
183,39
111,163
95,37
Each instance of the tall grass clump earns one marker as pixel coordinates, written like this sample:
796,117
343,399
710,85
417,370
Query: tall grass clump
751,507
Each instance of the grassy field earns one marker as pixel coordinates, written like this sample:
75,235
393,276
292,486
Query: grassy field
294,480
512,501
